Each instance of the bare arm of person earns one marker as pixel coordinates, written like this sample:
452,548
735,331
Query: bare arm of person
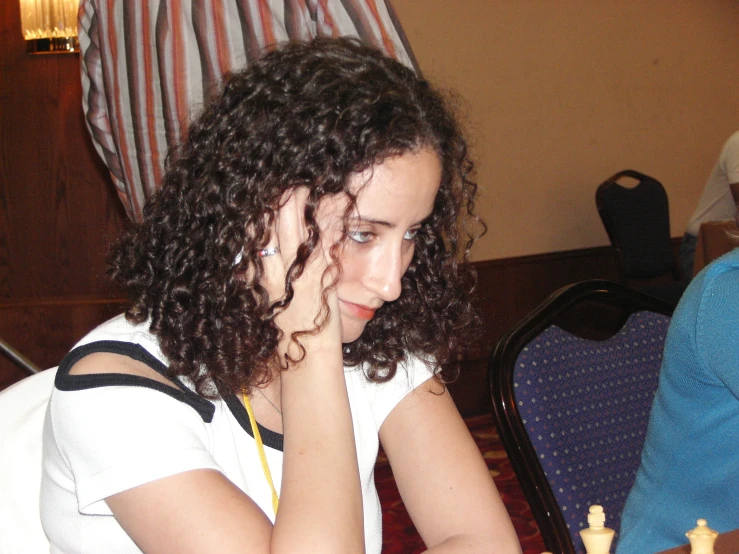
442,478
192,512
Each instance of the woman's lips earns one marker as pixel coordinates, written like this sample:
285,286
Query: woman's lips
359,311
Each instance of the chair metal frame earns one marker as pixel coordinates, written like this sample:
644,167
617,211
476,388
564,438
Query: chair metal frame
18,359
513,435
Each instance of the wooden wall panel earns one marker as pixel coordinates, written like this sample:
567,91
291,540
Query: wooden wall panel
44,330
58,209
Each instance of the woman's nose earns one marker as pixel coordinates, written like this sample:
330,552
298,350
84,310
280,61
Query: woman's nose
384,274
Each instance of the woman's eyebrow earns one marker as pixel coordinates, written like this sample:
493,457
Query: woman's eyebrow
360,219
383,223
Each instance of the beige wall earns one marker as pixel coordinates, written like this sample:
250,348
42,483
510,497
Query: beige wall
560,95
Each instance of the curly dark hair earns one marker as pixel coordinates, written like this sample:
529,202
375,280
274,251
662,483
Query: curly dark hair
306,114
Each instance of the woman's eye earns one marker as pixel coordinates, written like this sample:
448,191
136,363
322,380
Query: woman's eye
411,234
360,236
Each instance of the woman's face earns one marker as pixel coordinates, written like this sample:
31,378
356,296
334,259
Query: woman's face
393,200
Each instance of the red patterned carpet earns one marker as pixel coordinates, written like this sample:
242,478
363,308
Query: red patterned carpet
400,536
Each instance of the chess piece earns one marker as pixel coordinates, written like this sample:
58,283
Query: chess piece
597,537
701,538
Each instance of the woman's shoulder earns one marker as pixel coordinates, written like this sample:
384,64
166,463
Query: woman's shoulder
124,355
705,319
120,329
116,346
719,275
110,363
727,262
119,359
717,281
408,370
381,397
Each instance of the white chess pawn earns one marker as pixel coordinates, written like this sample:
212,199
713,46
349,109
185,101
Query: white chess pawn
701,538
597,538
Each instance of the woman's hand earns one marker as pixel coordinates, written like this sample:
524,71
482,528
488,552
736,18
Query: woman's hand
306,310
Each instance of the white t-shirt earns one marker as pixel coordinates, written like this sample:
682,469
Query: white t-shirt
106,433
716,202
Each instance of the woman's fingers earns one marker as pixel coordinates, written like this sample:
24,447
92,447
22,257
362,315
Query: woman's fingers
290,225
286,236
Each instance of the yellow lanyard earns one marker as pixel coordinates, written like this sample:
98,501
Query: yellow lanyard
260,449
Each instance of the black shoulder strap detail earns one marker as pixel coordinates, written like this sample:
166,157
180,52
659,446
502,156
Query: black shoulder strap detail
66,382
269,437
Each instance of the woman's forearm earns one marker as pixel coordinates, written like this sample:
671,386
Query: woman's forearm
321,499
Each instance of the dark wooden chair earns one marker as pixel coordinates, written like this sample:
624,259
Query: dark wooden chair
572,387
637,221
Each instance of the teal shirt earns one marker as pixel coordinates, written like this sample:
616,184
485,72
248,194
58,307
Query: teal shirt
690,462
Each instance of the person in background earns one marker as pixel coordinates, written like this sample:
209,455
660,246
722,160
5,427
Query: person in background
297,286
719,201
690,461
149,67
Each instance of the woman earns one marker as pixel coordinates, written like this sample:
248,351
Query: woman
690,460
296,287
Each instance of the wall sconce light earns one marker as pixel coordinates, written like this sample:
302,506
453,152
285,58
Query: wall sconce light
50,26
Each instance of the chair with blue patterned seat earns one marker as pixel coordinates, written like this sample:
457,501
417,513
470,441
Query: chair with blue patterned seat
572,387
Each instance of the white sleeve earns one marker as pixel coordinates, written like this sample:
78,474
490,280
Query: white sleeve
114,438
385,396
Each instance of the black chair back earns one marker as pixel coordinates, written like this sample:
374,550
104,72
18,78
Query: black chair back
637,221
